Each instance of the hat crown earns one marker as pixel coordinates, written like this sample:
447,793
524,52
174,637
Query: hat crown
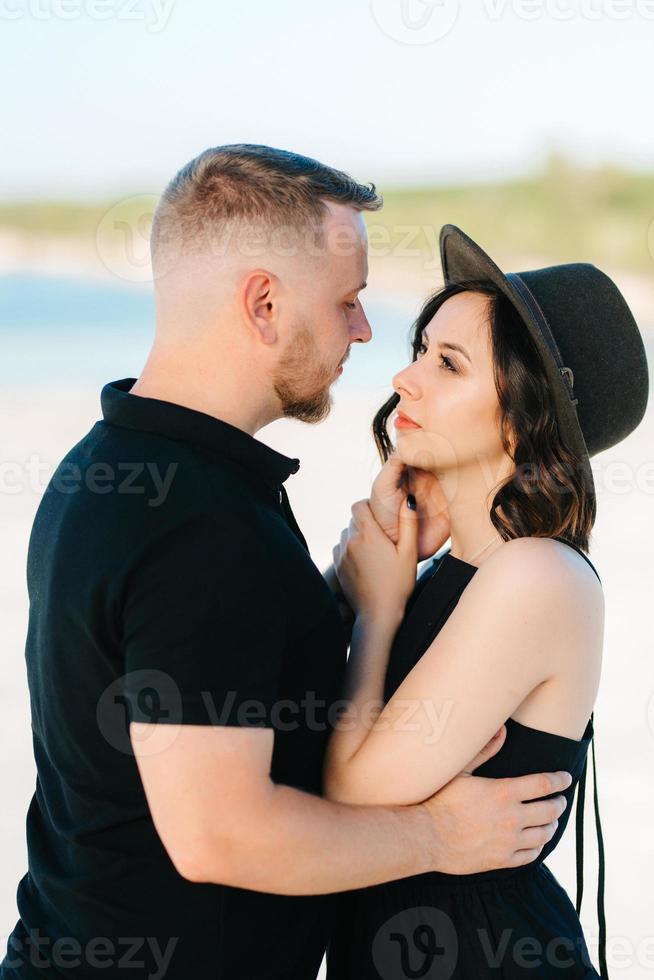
600,345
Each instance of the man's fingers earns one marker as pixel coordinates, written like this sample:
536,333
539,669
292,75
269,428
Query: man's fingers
524,857
539,784
541,813
537,836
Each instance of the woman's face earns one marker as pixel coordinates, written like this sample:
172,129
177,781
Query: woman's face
450,395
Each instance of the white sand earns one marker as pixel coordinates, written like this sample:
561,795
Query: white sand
338,461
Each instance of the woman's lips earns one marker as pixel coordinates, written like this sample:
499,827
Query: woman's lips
404,422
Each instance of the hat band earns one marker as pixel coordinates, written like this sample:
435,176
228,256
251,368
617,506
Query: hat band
539,317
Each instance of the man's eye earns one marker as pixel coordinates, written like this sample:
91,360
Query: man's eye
351,306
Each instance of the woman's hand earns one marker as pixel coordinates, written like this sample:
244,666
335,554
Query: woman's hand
376,574
388,494
489,750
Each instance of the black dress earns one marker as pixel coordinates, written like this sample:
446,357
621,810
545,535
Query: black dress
507,923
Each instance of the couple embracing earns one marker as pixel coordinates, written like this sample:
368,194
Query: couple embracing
223,792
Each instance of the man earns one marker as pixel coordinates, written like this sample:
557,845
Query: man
184,653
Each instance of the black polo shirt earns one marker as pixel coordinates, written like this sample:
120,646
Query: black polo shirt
168,581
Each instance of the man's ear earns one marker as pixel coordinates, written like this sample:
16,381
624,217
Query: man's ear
259,295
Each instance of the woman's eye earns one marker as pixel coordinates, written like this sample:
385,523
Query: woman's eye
446,362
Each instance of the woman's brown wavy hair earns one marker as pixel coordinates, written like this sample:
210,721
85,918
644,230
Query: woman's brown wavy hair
545,496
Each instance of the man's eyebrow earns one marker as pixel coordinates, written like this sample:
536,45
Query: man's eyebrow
357,289
450,345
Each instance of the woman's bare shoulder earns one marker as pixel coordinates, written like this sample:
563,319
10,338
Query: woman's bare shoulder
551,587
535,553
545,569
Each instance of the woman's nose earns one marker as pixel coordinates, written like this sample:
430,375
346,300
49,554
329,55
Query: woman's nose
404,383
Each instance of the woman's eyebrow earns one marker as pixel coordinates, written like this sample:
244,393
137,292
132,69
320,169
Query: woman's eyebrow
452,346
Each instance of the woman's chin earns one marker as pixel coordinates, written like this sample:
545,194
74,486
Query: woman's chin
418,457
404,453
424,450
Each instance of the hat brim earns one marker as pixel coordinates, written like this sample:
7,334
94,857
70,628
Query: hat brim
462,258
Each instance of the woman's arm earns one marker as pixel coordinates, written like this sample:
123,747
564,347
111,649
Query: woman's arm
372,638
510,631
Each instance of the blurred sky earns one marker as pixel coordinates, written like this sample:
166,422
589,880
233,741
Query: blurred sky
105,97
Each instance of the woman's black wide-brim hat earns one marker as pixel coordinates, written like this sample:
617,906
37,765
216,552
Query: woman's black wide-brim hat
589,342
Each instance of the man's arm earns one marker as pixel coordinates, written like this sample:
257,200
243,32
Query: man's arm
222,820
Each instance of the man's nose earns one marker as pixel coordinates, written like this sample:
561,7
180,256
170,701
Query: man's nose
361,329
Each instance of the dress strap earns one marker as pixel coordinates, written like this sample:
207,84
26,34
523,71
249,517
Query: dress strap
579,816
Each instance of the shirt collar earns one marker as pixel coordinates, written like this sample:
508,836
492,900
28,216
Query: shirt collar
119,407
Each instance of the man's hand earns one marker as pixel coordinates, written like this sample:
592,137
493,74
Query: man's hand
482,824
392,483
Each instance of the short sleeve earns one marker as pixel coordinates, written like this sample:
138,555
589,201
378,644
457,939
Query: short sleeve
203,622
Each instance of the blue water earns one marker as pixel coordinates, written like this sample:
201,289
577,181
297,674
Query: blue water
64,331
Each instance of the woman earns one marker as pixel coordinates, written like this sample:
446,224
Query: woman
504,627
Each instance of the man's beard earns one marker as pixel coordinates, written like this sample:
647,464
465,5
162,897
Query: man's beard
303,383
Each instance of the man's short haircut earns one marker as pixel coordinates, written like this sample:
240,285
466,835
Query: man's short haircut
265,193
